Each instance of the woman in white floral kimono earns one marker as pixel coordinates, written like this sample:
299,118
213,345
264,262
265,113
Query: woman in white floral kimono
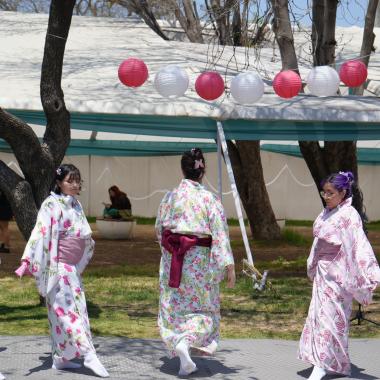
193,233
56,254
343,267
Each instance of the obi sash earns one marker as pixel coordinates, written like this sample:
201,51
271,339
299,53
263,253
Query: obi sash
178,245
326,251
70,249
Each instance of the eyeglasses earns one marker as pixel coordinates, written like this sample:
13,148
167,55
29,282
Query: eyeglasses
326,195
74,183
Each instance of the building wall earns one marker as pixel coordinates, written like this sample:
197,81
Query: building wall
146,179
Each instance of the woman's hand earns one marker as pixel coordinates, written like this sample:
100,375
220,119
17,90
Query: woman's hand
231,277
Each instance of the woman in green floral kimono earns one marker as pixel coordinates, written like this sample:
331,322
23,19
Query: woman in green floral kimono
196,253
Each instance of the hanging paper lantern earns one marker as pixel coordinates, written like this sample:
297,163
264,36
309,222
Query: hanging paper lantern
323,81
133,72
209,85
287,84
353,73
247,88
171,81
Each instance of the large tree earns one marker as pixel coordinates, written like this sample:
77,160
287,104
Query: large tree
338,155
230,20
39,159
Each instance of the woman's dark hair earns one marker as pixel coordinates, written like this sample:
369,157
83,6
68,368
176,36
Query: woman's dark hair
193,164
62,172
117,191
346,181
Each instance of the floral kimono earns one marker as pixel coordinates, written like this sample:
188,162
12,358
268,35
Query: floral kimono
192,311
342,266
62,215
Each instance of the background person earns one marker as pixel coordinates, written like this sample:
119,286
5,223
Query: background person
120,206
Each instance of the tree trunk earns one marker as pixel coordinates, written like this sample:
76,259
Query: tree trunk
368,38
338,156
329,42
249,178
317,30
284,35
38,161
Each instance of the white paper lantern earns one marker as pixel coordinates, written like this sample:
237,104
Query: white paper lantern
171,81
323,81
247,88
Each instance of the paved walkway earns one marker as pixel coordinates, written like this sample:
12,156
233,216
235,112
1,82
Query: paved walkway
28,357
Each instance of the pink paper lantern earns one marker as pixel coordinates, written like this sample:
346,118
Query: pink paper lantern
353,73
209,85
287,84
133,72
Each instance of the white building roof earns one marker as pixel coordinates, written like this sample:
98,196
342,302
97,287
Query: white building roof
96,47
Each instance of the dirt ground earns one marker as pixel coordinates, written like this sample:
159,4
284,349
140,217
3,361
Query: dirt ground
143,249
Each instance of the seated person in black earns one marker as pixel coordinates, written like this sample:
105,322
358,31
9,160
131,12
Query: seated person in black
120,207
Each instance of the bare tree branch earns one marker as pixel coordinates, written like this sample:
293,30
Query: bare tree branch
141,7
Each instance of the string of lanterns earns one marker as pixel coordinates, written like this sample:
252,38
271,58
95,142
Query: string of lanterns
246,88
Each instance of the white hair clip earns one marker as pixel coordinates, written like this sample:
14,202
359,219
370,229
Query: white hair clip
59,171
198,164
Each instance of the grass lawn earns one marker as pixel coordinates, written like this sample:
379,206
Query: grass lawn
122,301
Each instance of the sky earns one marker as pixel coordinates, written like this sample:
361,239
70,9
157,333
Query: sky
350,12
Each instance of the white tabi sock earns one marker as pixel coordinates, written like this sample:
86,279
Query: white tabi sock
317,374
92,362
187,365
2,377
60,363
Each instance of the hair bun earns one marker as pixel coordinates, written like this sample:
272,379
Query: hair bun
349,176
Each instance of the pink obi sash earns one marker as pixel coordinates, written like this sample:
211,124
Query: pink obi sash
178,245
70,249
326,251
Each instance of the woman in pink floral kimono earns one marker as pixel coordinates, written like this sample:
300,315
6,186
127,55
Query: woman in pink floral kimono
343,267
193,233
56,254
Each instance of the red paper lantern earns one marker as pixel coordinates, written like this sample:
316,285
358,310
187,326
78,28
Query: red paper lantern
287,84
353,73
209,85
133,72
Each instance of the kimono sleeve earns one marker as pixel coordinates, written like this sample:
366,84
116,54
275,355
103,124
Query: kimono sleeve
362,274
163,210
312,261
41,249
221,253
87,255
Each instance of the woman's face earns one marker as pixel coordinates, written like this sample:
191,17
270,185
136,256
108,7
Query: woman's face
111,193
332,196
70,186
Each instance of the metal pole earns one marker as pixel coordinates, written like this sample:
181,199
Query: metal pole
220,190
234,192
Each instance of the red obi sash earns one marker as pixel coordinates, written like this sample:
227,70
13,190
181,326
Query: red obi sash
178,245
